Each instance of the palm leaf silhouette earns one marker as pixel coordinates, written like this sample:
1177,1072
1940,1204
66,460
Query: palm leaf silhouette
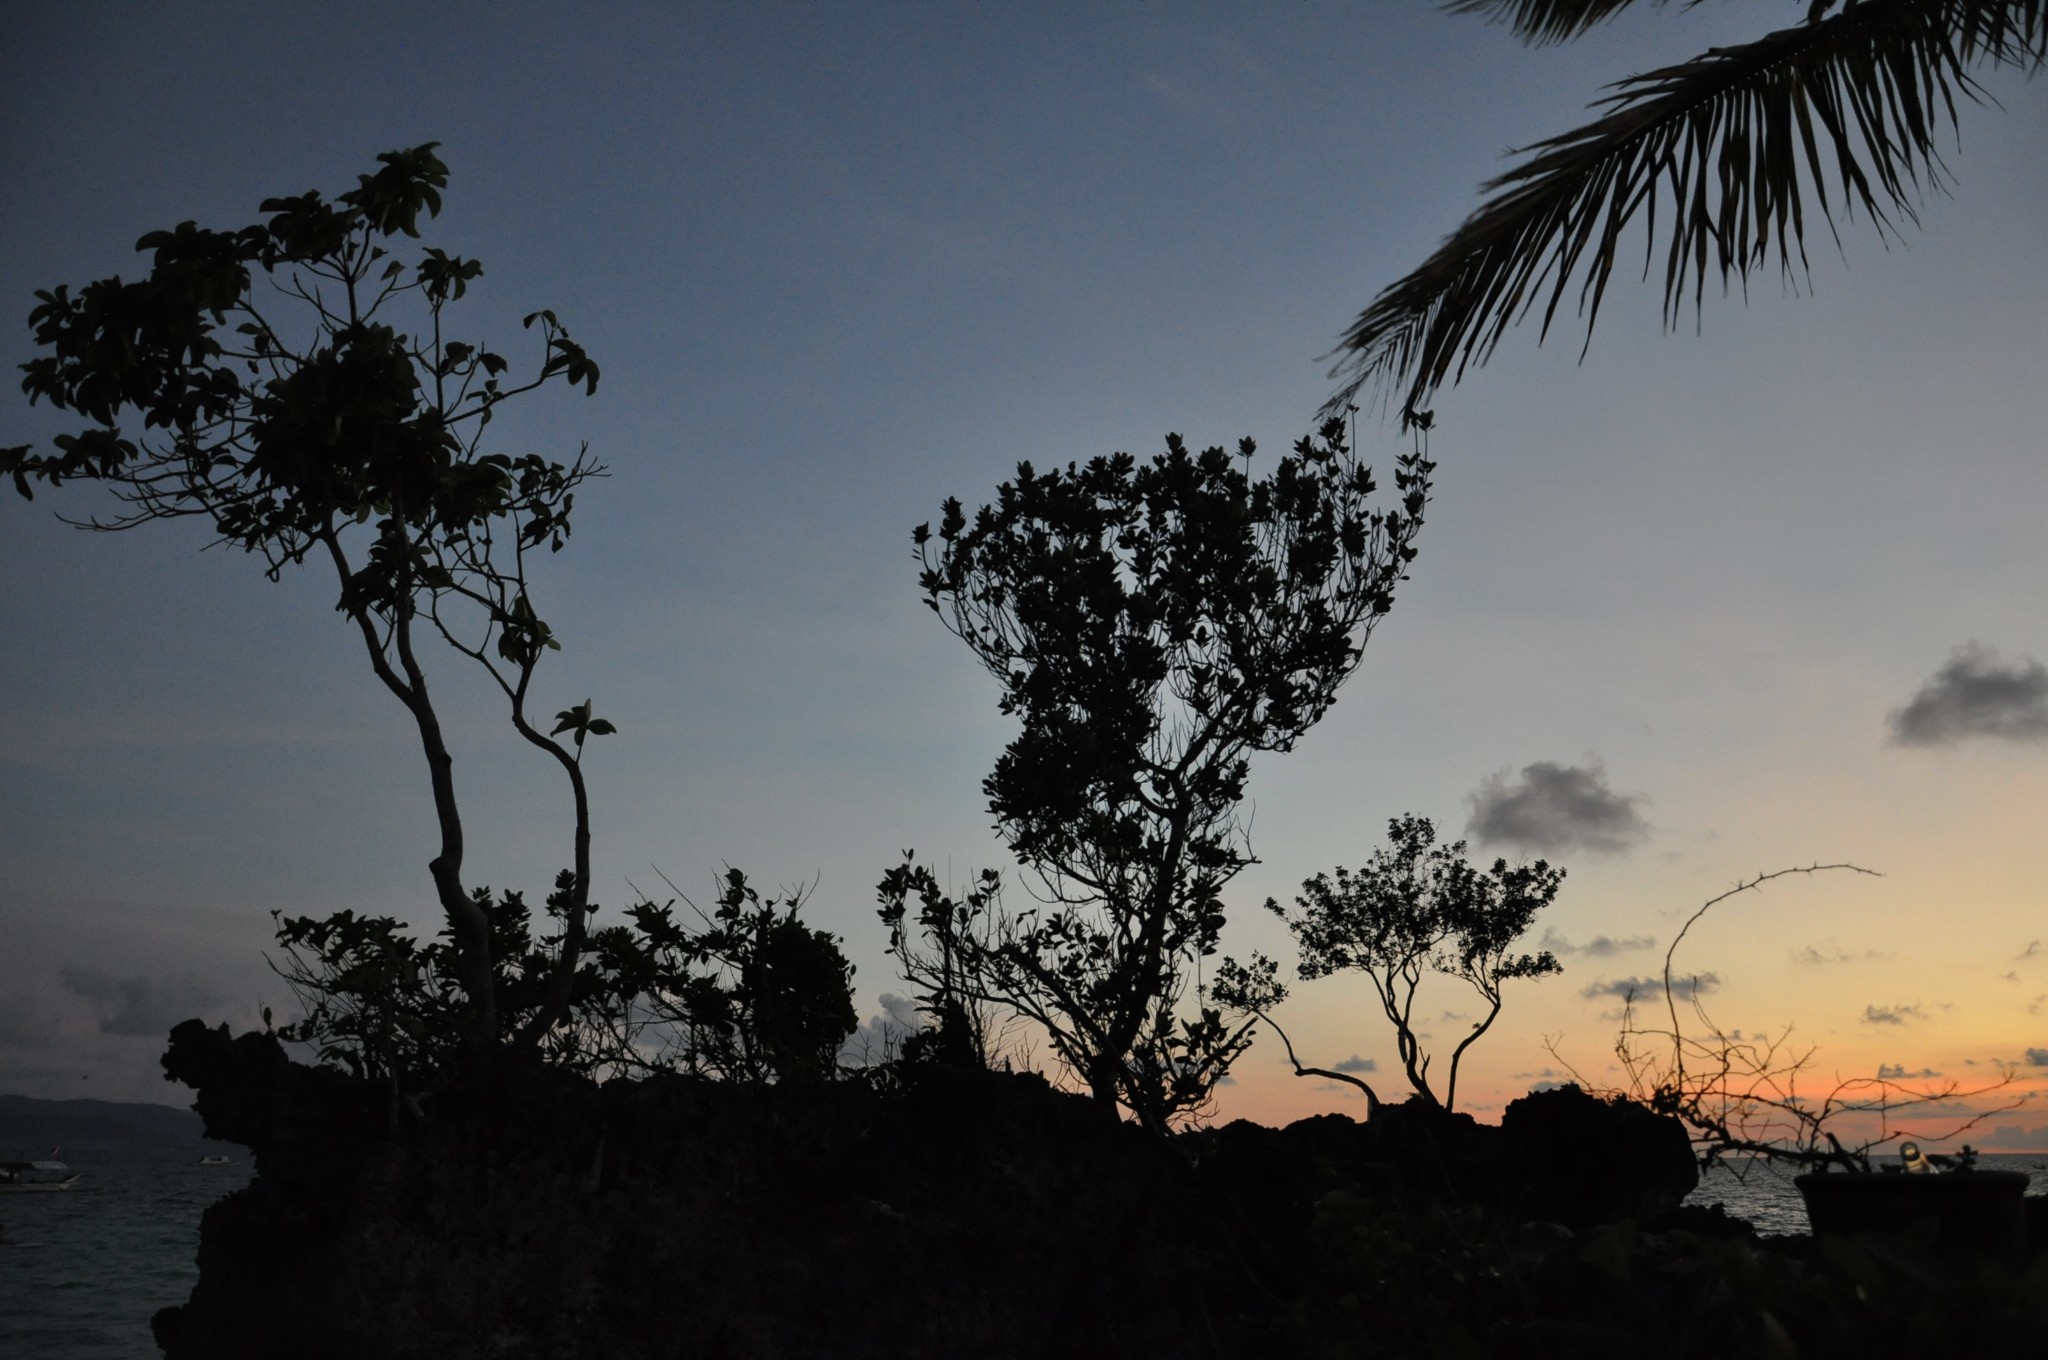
1735,148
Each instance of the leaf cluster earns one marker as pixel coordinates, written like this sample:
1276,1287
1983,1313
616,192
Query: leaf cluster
750,993
280,437
1151,624
377,1002
1736,148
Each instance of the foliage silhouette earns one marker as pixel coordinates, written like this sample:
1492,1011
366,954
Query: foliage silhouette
1738,137
752,994
325,429
1151,625
755,995
1416,908
1739,1095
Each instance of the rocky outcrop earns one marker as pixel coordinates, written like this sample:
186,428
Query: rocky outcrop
535,1214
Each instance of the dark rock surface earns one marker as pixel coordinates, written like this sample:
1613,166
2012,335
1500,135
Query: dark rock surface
986,1216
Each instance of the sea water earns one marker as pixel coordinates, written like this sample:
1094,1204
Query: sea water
1763,1193
82,1271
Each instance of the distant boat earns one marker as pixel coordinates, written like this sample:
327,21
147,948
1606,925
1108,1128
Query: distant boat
21,1177
215,1159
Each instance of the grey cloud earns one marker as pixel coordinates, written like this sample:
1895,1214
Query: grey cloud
1977,694
139,1005
2032,950
1646,989
1891,1015
1551,808
2018,1137
880,1036
1812,956
1599,947
1898,1072
1354,1063
2037,1057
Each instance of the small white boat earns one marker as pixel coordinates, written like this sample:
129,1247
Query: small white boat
23,1177
215,1159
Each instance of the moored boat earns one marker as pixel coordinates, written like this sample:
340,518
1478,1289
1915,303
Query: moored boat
20,1177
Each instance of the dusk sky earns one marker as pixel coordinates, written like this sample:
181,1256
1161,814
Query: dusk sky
1701,605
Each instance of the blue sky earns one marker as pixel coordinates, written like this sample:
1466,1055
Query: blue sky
840,262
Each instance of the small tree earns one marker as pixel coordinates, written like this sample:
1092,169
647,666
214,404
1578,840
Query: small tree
299,419
1151,626
754,995
1416,908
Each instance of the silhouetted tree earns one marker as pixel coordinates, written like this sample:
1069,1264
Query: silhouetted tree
1416,908
752,995
295,384
1151,625
1737,137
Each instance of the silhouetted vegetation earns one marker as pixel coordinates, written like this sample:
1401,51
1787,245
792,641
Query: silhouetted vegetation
1744,140
525,1137
297,385
747,993
1151,625
539,1214
1416,908
1739,1095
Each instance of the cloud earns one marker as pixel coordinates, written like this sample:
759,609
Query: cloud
139,1005
1891,1015
1599,947
1646,989
1354,1063
881,1036
1977,694
1551,808
1898,1072
2018,1137
1813,956
2037,1057
2033,950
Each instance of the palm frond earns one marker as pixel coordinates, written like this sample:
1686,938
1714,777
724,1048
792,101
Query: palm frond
1731,144
1547,21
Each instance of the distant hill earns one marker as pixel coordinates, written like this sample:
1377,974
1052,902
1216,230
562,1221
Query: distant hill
28,1124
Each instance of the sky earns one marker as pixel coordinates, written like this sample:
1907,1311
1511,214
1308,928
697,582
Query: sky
1761,593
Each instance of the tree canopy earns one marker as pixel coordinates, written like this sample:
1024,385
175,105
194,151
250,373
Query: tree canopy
1151,624
297,384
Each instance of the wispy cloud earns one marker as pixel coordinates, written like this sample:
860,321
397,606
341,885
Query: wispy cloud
1599,947
1354,1063
1898,1072
1550,808
1813,956
1977,694
1647,988
139,1005
1892,1015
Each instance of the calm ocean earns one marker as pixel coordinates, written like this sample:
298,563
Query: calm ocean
81,1272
